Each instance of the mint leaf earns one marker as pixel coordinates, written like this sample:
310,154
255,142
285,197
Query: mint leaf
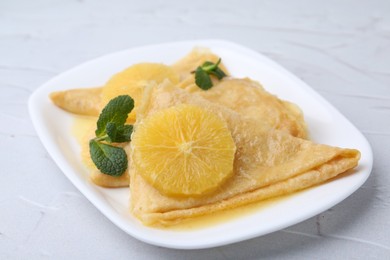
202,79
118,134
218,73
116,111
209,66
108,159
203,72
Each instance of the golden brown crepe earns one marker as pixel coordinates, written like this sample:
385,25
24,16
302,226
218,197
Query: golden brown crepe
268,163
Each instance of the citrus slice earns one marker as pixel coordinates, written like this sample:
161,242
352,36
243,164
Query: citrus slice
183,151
132,81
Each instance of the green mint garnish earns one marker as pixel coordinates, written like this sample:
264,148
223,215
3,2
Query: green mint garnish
109,159
202,79
202,74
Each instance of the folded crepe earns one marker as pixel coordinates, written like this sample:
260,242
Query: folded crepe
268,163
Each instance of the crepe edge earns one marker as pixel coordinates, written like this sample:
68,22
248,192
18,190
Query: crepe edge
346,160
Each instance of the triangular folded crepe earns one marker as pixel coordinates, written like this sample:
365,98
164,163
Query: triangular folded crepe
244,96
268,163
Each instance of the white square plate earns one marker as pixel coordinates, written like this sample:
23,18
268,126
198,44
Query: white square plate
326,125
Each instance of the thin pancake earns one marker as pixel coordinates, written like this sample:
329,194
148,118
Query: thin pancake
268,163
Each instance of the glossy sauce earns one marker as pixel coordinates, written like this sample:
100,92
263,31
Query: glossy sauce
223,216
83,129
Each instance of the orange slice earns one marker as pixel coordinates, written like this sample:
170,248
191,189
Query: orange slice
183,151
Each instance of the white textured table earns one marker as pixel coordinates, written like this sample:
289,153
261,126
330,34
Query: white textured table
340,48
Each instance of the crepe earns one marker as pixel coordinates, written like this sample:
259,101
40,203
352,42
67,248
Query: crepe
268,163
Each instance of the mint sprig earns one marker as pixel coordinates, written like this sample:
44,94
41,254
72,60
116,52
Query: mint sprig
203,72
111,128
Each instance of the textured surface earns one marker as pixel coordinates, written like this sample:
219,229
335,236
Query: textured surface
340,48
